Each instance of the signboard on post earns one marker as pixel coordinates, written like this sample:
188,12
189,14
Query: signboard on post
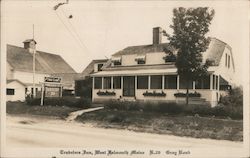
52,79
51,87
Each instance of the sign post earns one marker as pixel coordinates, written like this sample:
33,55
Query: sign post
51,87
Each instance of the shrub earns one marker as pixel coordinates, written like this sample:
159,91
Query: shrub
234,98
170,108
61,101
232,104
123,105
203,110
33,101
175,109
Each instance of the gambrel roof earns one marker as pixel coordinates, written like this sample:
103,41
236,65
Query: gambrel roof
214,51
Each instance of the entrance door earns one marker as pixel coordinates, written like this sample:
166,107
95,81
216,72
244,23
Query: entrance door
129,86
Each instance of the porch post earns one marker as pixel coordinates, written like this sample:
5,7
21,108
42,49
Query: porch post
193,85
218,82
135,84
163,77
122,82
102,82
178,82
112,80
211,81
93,83
149,80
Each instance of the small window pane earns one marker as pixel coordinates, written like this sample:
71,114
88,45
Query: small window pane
10,91
107,82
117,82
170,82
183,84
142,82
156,82
98,83
214,82
203,83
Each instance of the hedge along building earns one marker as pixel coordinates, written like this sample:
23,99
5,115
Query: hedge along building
20,68
145,73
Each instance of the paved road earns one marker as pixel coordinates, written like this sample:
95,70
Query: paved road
42,132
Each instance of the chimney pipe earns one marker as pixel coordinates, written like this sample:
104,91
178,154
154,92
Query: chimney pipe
157,35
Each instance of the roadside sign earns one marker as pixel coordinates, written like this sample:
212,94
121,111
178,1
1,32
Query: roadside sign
52,79
51,87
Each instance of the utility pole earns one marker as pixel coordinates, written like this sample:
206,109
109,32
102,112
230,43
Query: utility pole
34,65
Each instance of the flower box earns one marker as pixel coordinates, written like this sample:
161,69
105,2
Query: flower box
195,94
105,93
154,94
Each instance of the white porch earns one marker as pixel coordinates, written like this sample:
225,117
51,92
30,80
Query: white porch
161,86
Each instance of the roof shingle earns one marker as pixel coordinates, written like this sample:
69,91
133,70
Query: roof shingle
20,59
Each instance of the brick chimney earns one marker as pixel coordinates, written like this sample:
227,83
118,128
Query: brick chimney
30,44
157,35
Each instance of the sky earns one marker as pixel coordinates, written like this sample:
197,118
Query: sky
98,29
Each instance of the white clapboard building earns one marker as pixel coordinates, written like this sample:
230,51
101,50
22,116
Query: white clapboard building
20,70
146,73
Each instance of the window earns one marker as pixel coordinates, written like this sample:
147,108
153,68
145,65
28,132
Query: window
26,90
10,91
117,63
156,82
203,83
140,61
32,91
99,67
107,82
228,61
215,82
183,84
170,82
98,83
142,82
117,82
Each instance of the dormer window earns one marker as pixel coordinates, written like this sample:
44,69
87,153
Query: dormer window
99,67
116,61
170,57
140,59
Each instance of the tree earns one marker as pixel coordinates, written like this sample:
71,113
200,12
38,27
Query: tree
189,29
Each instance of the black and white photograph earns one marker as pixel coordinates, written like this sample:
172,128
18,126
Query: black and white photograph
114,78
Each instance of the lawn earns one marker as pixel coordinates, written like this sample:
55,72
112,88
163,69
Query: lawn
55,111
179,125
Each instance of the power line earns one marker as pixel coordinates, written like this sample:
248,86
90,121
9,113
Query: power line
68,29
74,30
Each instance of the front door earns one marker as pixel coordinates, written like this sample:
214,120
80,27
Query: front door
129,86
